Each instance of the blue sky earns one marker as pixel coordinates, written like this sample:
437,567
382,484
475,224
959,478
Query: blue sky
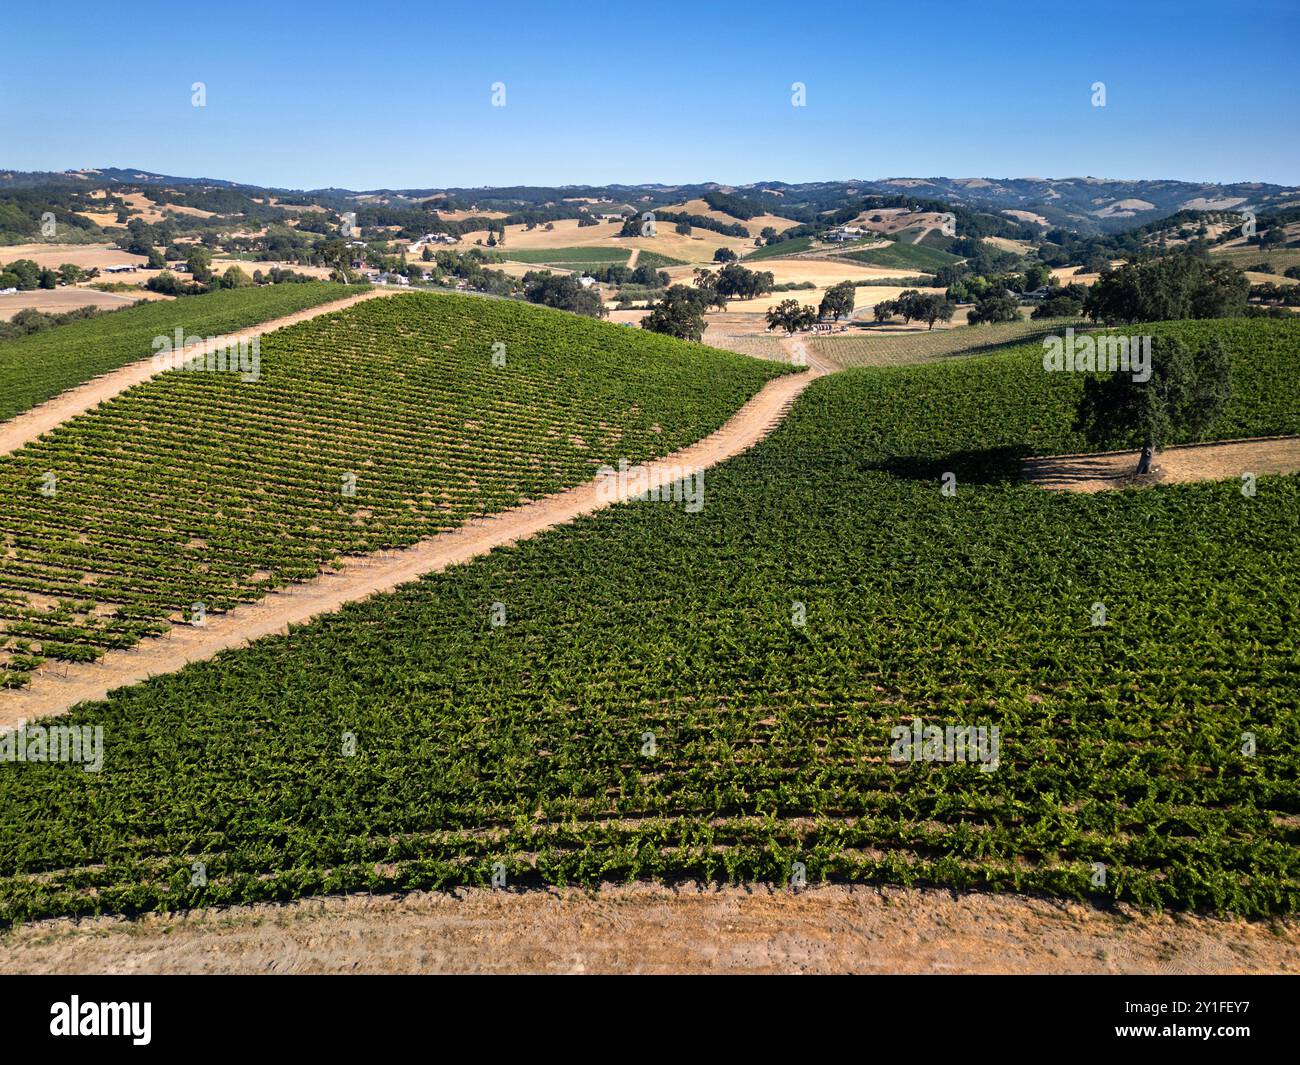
371,96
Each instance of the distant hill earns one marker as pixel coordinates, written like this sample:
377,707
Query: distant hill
1018,208
1089,204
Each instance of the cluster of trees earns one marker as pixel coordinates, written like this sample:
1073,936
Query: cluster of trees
617,274
23,210
736,206
170,284
32,321
632,225
680,310
141,237
1273,237
914,306
1267,267
735,282
280,276
971,287
25,275
468,266
563,292
1272,292
1066,302
1173,286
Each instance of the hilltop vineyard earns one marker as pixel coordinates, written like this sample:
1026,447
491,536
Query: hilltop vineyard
368,428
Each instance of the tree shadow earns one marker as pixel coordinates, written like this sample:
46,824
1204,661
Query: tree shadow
999,465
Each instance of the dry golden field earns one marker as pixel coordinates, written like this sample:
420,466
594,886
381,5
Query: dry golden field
58,300
697,248
83,255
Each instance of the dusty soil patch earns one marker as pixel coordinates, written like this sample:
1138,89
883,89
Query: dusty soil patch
58,300
647,928
1175,465
360,576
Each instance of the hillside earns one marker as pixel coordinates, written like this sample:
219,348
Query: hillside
367,429
36,367
714,695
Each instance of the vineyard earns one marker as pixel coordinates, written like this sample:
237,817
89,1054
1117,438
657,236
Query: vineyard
712,695
928,345
574,258
369,428
582,258
901,256
37,367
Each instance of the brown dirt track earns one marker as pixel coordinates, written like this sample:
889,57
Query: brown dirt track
643,928
1175,465
358,577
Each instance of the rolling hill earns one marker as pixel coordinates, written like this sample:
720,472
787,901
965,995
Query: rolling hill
718,696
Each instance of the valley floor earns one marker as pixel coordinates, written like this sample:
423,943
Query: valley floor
642,928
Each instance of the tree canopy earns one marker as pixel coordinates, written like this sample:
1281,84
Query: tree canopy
1183,394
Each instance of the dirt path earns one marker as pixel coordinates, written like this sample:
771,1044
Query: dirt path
361,576
802,354
31,424
631,259
1175,465
654,929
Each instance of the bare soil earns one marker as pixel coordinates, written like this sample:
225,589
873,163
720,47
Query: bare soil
358,577
48,253
647,928
1174,465
58,300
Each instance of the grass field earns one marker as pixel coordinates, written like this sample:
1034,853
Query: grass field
34,368
659,705
579,259
906,348
571,258
781,249
904,257
204,488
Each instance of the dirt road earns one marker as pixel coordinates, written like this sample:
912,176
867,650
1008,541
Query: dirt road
1176,465
31,424
646,928
361,576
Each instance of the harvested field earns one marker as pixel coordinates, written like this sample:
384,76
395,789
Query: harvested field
58,300
83,255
